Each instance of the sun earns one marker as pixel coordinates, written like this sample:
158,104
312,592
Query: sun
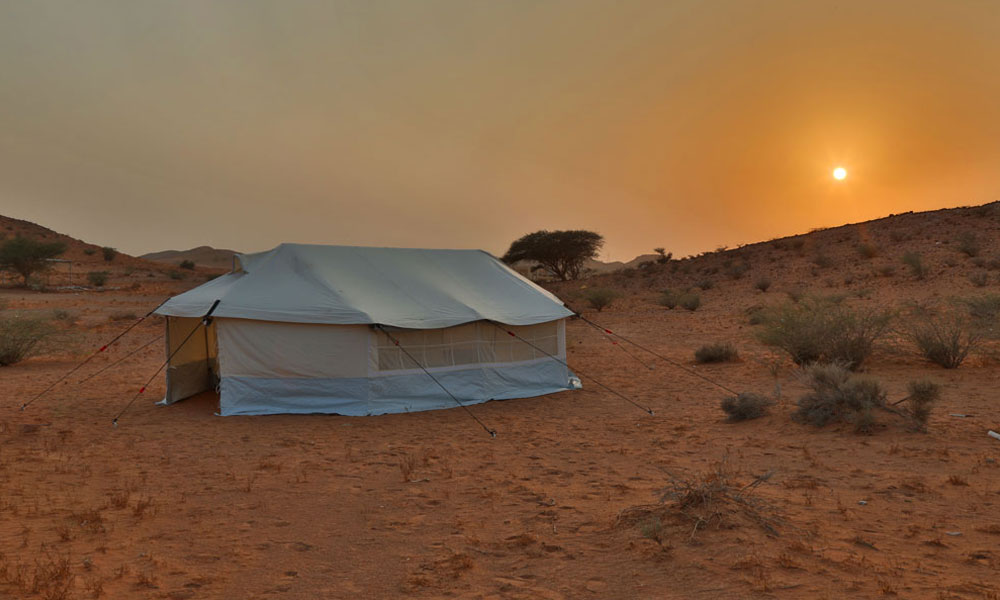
839,173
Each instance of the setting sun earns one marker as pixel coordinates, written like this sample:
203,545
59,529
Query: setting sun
839,173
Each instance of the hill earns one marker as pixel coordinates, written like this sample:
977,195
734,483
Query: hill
72,268
204,256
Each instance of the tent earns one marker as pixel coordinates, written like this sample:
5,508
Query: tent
314,329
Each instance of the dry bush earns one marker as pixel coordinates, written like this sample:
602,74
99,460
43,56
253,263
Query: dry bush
867,250
668,298
98,278
717,497
915,262
715,353
980,279
945,337
968,244
706,284
690,301
407,464
763,284
819,330
837,395
923,394
745,406
22,337
600,298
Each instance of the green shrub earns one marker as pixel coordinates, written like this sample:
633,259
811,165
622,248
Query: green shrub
763,284
714,353
915,262
26,256
944,338
968,244
668,298
21,338
837,395
690,301
98,278
600,298
109,253
867,250
187,264
745,406
817,330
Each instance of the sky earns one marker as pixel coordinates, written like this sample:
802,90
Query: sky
466,124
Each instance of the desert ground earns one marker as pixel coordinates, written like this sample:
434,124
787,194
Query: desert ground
176,502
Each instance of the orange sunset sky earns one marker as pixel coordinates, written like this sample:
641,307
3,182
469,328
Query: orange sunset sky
689,125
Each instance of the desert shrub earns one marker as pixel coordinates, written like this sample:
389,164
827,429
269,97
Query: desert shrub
27,257
993,264
944,337
89,251
818,330
60,314
983,308
923,394
745,406
738,270
668,298
979,279
98,278
109,253
21,338
979,262
822,261
176,275
763,284
123,316
663,256
867,250
600,298
915,262
796,294
968,244
706,284
887,270
714,353
690,301
837,395
755,314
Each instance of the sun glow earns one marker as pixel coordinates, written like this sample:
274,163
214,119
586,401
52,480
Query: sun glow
839,173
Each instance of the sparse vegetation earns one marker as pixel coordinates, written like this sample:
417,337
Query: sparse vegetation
600,298
175,275
818,330
923,395
968,244
21,337
915,262
887,270
745,406
668,298
89,251
109,253
763,284
944,337
867,250
837,395
979,279
705,284
97,278
715,353
738,270
822,261
187,264
27,257
663,256
690,301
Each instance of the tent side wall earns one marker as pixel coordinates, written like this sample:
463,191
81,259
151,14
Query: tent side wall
193,366
271,367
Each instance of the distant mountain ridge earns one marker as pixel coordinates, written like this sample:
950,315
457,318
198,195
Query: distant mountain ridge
203,256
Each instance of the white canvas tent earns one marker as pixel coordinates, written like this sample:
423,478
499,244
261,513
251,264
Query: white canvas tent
294,332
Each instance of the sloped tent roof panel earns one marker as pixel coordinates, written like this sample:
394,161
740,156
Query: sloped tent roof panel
348,285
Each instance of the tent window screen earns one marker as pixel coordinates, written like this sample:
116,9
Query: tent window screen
467,344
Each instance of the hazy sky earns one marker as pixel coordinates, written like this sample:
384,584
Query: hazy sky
688,125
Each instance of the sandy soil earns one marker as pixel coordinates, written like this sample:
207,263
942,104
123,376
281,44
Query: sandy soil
178,503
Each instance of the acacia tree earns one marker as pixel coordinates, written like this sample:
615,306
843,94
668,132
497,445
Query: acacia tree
26,256
561,253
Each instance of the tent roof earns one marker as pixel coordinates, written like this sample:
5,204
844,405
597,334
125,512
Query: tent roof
400,287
